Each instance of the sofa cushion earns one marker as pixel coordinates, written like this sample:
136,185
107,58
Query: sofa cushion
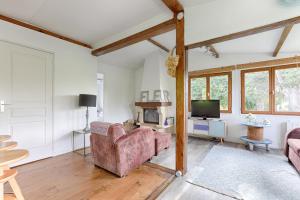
295,145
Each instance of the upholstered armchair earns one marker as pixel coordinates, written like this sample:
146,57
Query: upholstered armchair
119,152
292,147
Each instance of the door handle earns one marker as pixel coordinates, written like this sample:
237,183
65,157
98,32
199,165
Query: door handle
2,105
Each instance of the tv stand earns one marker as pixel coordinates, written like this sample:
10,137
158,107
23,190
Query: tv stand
207,127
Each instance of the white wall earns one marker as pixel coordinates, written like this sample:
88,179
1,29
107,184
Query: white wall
218,18
156,77
119,92
198,61
74,73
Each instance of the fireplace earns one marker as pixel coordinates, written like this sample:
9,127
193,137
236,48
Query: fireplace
152,112
151,115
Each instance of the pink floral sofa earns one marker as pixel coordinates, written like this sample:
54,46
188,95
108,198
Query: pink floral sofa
119,152
292,147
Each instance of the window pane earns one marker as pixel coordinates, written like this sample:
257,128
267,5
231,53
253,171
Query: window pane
198,88
219,90
287,90
257,91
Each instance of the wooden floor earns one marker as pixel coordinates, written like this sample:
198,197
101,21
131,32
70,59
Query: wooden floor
73,177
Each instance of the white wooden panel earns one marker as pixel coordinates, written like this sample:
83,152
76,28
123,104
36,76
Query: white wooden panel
28,78
28,112
29,135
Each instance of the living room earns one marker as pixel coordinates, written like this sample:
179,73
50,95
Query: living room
144,84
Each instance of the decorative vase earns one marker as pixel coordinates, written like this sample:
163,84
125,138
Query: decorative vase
137,122
166,122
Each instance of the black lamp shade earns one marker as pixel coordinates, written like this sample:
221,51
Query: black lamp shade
87,100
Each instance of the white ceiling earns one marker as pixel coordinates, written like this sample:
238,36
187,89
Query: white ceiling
188,3
88,21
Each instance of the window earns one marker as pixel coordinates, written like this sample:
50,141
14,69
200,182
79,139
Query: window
100,78
212,86
274,90
256,95
287,90
198,88
219,90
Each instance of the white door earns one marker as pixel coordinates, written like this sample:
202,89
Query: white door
26,88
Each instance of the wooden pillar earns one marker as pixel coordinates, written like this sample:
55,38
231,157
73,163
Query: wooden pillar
181,96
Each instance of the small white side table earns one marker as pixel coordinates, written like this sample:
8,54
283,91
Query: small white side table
80,132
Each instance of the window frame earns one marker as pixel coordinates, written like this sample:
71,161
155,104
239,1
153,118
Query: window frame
208,76
272,93
243,95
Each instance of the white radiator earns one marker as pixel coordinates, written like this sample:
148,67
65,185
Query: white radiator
290,125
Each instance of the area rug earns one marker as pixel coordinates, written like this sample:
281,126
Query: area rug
247,175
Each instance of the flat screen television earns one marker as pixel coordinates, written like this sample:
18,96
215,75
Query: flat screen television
205,108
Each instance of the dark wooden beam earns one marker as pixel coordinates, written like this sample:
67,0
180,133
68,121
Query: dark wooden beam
282,39
174,5
214,51
158,45
252,65
138,37
245,33
181,106
35,28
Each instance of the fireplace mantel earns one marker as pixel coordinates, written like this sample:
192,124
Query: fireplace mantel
153,104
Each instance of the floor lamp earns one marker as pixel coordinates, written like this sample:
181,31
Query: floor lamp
87,100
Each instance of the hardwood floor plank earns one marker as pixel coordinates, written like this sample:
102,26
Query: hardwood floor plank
72,177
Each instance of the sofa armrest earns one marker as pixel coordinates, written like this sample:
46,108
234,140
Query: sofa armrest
100,145
103,152
294,134
134,149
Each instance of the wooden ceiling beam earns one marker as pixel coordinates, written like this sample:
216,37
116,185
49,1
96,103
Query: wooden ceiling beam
245,33
159,45
282,39
138,37
174,5
252,65
35,28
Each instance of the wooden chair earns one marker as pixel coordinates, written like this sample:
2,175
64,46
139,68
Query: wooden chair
8,156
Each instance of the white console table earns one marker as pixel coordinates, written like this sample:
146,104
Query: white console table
210,127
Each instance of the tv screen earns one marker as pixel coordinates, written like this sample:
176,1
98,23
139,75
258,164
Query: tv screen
205,108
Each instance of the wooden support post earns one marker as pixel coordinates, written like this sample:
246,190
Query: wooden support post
181,96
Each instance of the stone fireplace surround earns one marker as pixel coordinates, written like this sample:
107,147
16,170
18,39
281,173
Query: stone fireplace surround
160,106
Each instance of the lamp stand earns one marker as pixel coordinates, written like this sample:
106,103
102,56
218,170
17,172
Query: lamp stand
87,128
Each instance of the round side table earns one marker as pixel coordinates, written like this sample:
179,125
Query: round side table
251,143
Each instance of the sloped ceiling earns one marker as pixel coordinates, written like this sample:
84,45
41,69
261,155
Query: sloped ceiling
88,21
96,20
